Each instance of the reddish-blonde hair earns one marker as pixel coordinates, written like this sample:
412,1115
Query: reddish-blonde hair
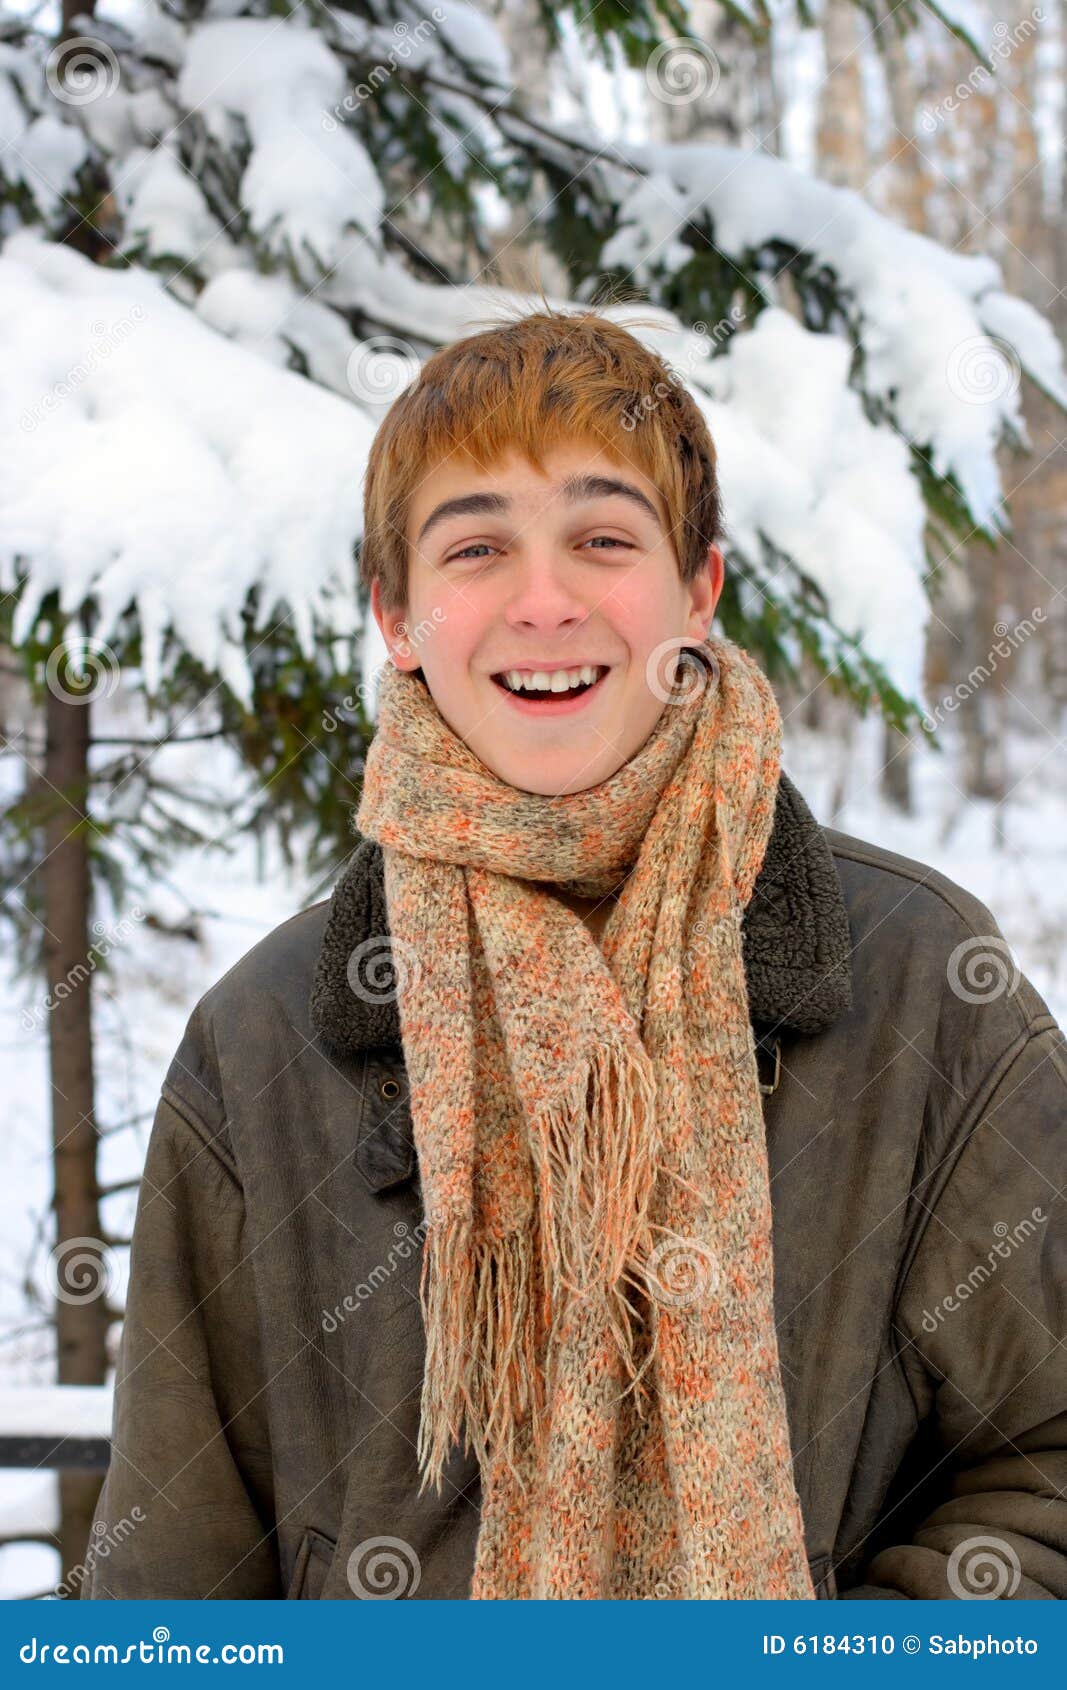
529,385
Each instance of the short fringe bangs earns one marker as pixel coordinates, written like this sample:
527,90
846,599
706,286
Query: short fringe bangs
528,386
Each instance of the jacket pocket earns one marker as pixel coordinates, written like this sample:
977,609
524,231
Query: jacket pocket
823,1577
312,1563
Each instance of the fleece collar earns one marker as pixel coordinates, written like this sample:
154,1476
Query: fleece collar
795,940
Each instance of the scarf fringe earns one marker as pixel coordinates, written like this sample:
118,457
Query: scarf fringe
596,1155
596,1152
480,1358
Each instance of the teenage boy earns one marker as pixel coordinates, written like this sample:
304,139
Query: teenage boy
452,1273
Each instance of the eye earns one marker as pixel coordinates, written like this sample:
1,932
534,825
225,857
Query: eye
483,546
467,550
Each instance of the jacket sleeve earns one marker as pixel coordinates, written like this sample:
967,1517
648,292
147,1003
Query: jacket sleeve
981,1324
186,1508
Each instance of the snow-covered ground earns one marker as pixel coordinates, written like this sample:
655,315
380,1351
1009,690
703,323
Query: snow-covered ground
142,1009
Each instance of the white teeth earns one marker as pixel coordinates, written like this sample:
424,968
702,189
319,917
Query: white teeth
556,680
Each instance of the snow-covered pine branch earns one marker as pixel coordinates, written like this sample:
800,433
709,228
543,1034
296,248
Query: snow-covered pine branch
146,459
249,159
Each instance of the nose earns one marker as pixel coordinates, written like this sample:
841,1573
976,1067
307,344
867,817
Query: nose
542,597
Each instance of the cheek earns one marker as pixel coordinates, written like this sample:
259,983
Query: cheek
457,630
636,604
638,620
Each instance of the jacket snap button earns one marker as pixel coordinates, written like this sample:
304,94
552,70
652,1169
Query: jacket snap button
773,1086
390,1088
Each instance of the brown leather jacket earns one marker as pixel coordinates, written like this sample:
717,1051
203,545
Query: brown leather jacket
915,1086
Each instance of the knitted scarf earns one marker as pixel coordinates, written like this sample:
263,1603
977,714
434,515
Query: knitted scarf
597,1285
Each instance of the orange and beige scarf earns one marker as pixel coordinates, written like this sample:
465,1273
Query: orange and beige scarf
597,1278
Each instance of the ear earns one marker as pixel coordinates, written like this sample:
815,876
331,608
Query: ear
393,625
704,591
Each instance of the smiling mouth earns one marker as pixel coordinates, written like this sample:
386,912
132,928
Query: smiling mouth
530,695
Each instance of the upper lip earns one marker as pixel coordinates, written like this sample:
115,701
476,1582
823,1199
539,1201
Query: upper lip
529,668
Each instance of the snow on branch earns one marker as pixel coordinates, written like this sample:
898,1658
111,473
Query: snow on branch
942,345
306,182
920,314
176,456
146,459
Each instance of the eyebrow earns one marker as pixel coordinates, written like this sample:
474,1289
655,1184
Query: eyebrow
576,489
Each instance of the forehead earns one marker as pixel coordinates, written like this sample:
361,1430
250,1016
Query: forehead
577,470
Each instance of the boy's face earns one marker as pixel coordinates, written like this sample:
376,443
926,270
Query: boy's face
510,569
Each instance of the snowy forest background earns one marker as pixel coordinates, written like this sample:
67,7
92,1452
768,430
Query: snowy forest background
229,234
